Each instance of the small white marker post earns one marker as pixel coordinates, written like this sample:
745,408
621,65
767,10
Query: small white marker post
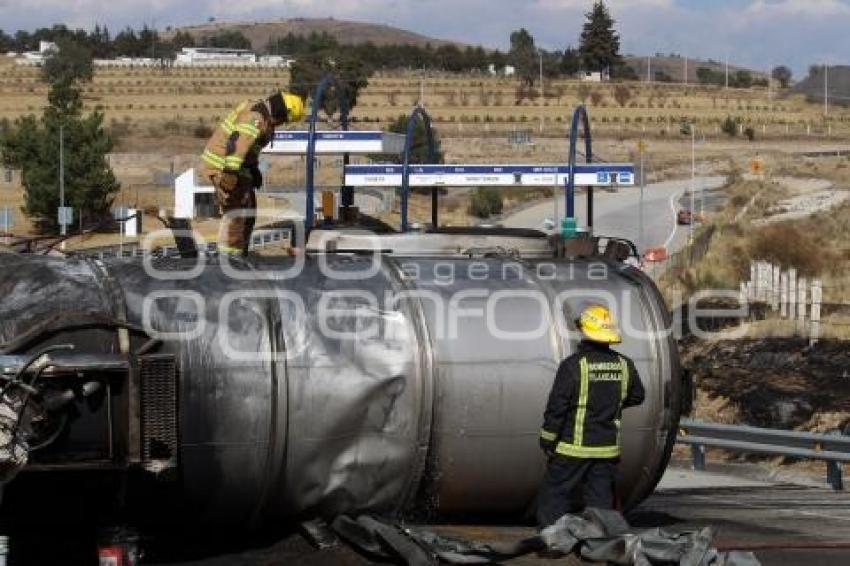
817,298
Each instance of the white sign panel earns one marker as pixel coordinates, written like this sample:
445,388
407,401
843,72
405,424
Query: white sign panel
289,142
66,215
593,175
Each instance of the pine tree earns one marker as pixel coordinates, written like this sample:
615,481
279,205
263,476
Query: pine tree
32,146
570,62
352,72
600,43
523,56
419,150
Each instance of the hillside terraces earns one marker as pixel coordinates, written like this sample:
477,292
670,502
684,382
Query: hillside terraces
183,99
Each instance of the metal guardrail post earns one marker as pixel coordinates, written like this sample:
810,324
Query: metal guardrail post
834,475
834,449
698,455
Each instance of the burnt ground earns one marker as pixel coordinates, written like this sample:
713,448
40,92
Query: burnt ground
772,382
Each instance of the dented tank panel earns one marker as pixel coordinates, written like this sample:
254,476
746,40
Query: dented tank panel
334,383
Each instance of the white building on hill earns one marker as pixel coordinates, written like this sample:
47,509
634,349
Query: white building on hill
215,57
594,76
128,62
37,58
507,70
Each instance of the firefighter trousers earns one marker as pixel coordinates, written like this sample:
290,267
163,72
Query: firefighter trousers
558,494
238,204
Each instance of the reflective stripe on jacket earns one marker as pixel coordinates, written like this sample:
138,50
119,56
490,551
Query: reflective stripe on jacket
236,143
585,405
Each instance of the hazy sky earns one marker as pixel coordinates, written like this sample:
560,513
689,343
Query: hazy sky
757,33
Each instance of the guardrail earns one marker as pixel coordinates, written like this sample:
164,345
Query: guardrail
834,449
260,239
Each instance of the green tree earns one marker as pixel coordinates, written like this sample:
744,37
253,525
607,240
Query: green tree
100,42
127,44
729,127
782,75
32,146
228,39
419,149
485,202
523,56
706,76
182,39
600,43
352,72
72,62
741,79
570,62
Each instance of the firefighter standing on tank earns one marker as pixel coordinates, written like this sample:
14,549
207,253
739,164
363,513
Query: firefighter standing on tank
581,429
231,163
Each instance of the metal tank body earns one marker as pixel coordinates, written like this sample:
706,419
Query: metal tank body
330,383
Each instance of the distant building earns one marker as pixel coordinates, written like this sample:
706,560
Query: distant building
275,61
219,57
128,62
507,70
192,200
215,57
37,58
594,76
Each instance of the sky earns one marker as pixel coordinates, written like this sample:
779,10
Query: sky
755,33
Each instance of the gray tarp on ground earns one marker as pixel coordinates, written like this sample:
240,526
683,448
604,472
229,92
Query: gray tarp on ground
596,535
605,536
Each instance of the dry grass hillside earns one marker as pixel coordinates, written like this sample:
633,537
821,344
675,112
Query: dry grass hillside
170,103
346,32
674,67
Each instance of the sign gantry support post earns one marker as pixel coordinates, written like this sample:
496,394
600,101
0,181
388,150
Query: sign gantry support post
318,97
418,113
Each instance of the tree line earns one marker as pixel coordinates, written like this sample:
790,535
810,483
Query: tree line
102,44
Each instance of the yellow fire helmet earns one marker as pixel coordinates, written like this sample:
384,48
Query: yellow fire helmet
294,107
597,325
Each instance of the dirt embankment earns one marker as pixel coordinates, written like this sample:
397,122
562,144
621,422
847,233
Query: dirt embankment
773,383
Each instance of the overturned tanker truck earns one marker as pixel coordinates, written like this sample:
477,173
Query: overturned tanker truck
398,374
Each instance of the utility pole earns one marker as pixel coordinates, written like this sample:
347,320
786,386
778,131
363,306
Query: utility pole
542,112
727,71
686,71
641,237
153,40
693,182
826,89
62,228
649,68
769,85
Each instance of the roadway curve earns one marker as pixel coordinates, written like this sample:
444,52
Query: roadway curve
617,214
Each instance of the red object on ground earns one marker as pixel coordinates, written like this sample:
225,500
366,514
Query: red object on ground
110,556
653,255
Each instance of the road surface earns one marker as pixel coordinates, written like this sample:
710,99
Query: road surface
618,214
783,524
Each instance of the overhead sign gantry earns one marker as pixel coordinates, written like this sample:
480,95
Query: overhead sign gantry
435,176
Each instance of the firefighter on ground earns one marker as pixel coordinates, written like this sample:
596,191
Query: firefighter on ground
231,163
581,428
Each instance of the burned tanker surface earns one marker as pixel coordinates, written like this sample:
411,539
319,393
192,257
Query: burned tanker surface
406,379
